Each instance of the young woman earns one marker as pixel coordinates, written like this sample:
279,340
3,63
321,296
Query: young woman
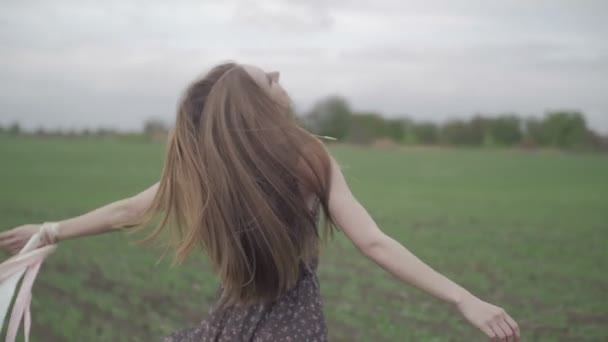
246,184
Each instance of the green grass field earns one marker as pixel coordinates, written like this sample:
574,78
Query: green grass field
525,231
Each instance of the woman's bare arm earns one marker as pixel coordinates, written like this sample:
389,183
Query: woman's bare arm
361,229
108,218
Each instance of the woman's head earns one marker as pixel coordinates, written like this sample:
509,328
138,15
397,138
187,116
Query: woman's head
236,179
269,81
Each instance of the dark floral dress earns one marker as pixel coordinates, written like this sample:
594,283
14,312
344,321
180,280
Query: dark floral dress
295,316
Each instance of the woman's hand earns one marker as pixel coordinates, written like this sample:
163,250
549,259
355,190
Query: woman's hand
492,320
14,239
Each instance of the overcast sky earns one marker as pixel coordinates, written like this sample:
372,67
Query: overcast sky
74,64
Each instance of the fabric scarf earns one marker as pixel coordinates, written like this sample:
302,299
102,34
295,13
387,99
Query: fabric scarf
24,264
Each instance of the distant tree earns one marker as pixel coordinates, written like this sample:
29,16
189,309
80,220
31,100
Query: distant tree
14,128
533,132
40,131
565,129
459,132
480,131
395,129
506,130
407,125
102,132
330,116
155,126
366,127
426,133
562,129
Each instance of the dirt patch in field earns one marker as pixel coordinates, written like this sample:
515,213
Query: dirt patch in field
588,318
97,281
158,301
71,301
385,144
174,308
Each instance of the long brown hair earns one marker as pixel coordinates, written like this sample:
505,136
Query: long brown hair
235,183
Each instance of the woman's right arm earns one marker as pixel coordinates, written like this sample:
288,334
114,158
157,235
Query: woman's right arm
361,229
107,218
110,217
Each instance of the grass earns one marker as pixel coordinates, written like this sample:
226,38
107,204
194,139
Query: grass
525,231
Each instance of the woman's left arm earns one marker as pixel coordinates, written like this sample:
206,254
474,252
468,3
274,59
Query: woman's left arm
362,230
108,218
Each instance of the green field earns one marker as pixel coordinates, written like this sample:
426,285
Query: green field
525,231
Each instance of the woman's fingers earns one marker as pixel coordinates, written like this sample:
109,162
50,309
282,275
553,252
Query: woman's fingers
500,334
9,241
16,244
507,329
6,235
6,243
488,331
511,322
12,246
496,332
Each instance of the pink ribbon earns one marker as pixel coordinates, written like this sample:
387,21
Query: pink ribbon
26,263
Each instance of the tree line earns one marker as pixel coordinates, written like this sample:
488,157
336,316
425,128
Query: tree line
334,117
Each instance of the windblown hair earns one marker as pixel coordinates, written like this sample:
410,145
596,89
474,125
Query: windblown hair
235,182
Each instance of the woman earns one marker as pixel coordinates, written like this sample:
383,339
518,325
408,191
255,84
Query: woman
245,183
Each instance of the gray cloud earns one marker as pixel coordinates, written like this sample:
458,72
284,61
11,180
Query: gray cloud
292,16
87,63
